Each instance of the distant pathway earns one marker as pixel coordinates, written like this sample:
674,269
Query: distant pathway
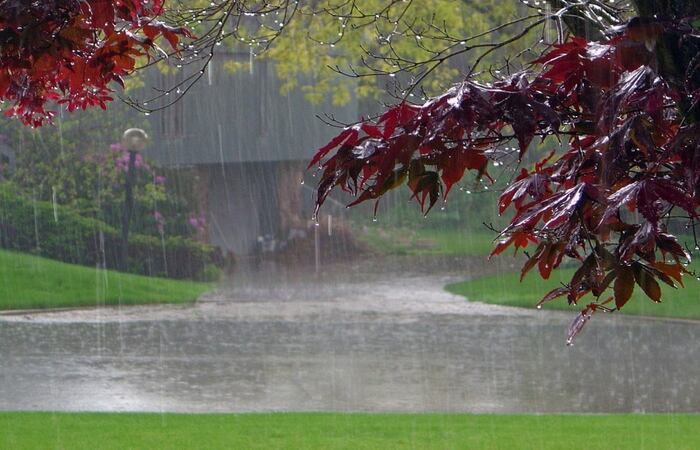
401,288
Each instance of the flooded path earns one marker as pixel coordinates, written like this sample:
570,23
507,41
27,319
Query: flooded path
355,340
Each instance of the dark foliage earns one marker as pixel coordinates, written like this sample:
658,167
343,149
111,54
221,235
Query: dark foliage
60,233
629,158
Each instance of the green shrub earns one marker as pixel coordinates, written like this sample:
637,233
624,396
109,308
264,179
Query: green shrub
61,233
211,273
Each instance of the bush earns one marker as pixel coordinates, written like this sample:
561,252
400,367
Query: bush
211,273
60,233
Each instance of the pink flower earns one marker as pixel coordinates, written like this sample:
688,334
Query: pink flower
198,223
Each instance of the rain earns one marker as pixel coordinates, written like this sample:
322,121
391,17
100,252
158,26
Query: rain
168,255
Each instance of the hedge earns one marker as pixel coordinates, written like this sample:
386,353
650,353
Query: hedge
60,233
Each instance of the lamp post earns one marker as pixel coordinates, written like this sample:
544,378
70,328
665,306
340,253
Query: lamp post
133,140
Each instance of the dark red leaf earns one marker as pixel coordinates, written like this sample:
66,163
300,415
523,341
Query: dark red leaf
577,325
675,271
646,281
624,285
348,137
552,295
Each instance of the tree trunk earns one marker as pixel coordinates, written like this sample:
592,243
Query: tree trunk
667,9
676,57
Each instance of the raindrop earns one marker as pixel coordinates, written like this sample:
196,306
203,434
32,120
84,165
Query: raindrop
54,202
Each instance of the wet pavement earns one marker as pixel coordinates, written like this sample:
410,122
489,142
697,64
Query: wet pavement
354,340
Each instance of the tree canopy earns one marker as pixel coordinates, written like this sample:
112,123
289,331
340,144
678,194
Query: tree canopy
68,52
621,104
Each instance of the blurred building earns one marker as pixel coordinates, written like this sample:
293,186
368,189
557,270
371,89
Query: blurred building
247,145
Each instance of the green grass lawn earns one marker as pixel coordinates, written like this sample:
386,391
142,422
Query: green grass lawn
346,431
427,241
505,289
28,282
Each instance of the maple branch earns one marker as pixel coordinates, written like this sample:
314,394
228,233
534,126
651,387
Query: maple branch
588,19
226,19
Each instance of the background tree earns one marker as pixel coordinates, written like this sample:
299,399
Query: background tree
314,45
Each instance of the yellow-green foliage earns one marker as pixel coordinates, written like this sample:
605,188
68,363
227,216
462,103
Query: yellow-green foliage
313,43
308,47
